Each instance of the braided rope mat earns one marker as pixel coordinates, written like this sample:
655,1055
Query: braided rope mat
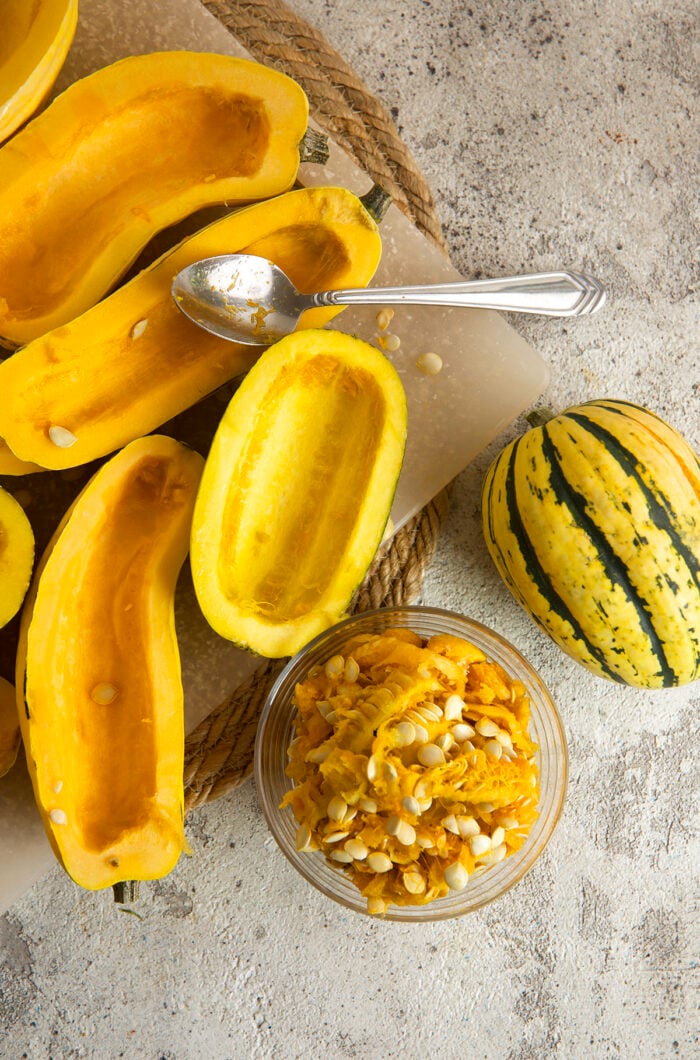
219,752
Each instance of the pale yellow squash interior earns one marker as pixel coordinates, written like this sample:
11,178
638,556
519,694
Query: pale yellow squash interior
281,545
104,718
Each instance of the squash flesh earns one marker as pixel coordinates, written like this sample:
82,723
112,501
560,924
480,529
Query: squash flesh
108,381
104,723
34,43
297,490
266,517
111,162
16,556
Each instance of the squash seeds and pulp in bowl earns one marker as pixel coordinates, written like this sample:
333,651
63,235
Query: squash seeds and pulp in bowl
411,764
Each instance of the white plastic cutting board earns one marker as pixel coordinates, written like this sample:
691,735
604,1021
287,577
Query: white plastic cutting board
489,375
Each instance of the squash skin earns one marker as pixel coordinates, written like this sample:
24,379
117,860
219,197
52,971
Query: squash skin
108,387
86,184
102,705
297,490
30,64
10,736
16,556
593,522
12,465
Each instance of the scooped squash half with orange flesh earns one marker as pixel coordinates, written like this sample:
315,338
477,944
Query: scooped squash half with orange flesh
34,43
134,361
124,153
16,556
98,660
297,490
10,736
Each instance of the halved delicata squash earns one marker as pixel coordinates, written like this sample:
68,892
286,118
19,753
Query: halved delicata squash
103,722
134,360
297,490
16,556
124,153
33,46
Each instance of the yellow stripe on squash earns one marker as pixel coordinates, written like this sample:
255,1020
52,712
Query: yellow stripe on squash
98,660
124,153
134,360
593,522
297,490
34,44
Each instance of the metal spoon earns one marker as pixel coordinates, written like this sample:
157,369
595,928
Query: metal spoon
248,299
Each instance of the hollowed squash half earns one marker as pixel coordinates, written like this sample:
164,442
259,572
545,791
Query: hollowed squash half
134,361
34,43
124,153
297,490
102,711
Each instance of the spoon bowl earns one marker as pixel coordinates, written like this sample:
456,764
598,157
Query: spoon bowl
250,300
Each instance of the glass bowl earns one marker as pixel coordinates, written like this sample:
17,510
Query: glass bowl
276,731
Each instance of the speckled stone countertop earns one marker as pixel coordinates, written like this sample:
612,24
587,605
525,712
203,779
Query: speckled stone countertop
552,135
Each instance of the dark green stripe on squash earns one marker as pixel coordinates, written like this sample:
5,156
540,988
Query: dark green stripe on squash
615,570
537,573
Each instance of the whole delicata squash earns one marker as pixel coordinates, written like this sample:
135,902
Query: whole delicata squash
124,153
34,43
134,360
16,556
297,490
103,724
593,521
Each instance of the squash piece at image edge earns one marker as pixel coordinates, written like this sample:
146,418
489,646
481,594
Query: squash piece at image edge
593,521
134,361
121,155
33,47
103,724
16,556
297,490
12,465
10,737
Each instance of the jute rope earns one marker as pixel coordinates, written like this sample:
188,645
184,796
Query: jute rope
219,753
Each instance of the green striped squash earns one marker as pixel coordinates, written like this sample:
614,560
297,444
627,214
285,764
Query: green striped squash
592,519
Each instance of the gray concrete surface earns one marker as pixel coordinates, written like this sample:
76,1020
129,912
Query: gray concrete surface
552,135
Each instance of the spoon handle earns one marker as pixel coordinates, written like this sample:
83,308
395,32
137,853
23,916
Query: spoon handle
556,294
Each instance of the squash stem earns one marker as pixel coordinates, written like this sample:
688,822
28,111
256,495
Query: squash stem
376,202
314,147
539,416
126,892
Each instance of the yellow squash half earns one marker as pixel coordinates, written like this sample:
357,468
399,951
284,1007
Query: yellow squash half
124,153
16,556
134,361
297,490
102,713
34,41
